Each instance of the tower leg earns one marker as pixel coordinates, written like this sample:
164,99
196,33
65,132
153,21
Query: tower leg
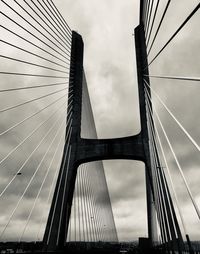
57,224
151,213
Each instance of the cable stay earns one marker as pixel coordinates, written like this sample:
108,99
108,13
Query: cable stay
34,64
176,32
35,28
146,13
84,223
57,12
35,45
60,178
174,77
149,18
30,135
33,54
29,183
148,36
66,38
61,212
31,116
53,181
67,43
162,197
44,179
33,87
21,167
156,134
32,75
32,100
65,30
159,26
175,119
36,37
85,199
176,160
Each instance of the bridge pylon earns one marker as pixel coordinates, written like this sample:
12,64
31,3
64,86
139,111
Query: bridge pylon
159,212
79,150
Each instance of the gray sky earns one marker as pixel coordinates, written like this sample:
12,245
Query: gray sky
109,61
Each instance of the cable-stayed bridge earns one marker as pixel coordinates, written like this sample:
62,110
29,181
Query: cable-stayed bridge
48,136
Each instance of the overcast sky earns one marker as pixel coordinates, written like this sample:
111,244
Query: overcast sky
107,28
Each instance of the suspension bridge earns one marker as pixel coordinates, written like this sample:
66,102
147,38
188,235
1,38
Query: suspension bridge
48,137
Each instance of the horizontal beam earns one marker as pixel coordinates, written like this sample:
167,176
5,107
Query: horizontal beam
106,149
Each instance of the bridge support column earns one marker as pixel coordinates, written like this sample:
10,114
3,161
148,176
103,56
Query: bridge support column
172,230
142,69
58,220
